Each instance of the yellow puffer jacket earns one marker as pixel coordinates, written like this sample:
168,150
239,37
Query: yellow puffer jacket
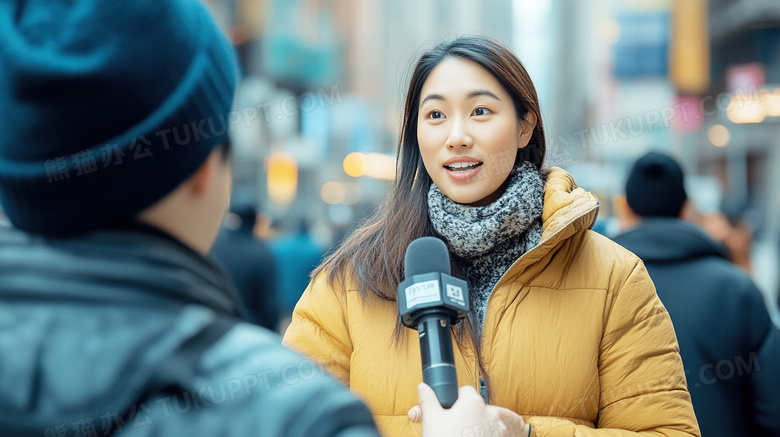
574,337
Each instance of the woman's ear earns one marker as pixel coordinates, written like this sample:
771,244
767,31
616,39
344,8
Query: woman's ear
526,129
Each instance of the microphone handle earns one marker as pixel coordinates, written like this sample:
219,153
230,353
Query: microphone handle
438,362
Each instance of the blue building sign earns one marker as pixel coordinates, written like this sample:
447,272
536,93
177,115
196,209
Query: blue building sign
643,47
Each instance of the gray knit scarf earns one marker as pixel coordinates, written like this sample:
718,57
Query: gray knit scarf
491,238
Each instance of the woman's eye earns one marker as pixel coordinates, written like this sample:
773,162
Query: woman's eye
482,111
435,115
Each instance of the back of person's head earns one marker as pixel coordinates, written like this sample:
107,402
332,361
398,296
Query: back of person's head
245,207
106,107
656,186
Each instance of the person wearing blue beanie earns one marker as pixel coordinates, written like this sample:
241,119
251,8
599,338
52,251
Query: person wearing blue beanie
89,104
115,175
656,187
729,346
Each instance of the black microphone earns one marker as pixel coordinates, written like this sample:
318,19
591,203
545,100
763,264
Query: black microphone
430,300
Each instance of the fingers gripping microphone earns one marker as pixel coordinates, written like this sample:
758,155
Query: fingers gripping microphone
430,300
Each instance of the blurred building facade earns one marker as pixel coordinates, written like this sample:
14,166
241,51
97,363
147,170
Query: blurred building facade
325,80
319,110
699,79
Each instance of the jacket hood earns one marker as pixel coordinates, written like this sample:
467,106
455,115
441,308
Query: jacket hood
669,239
90,320
566,206
568,211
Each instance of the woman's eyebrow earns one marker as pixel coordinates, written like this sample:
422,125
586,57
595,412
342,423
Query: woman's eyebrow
432,97
487,93
471,95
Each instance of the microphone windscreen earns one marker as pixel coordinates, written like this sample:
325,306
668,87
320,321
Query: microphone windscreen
426,255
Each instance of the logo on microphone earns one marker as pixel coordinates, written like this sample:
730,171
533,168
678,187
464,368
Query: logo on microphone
422,292
455,293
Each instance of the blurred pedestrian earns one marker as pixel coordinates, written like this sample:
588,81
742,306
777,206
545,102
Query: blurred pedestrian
730,227
114,172
564,322
250,264
298,255
730,348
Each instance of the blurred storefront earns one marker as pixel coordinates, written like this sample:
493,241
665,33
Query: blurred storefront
744,154
320,105
695,78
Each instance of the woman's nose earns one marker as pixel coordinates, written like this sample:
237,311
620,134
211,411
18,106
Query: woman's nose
459,136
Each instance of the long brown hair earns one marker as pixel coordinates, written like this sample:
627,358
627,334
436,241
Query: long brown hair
373,256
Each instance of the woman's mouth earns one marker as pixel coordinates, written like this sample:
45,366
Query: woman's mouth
463,170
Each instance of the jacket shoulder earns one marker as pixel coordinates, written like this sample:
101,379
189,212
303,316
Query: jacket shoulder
600,254
601,242
739,281
587,260
249,381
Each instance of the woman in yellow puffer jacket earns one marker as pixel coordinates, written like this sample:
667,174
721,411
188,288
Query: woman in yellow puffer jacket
566,330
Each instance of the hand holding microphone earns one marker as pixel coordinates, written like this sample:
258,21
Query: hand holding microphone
468,416
430,300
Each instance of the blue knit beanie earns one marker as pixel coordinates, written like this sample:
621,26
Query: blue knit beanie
656,186
106,106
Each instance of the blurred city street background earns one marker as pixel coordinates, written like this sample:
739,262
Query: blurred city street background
318,110
325,80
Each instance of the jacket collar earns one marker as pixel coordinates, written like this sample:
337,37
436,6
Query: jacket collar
566,206
669,239
132,264
568,211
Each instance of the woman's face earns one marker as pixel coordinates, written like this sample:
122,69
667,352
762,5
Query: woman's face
468,132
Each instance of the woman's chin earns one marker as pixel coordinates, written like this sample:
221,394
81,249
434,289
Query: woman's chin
465,199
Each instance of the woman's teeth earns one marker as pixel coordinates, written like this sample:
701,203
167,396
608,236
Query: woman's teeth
463,166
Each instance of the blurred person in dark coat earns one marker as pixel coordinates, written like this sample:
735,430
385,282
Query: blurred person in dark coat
729,346
250,264
298,255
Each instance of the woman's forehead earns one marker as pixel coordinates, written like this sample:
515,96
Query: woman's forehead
456,78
